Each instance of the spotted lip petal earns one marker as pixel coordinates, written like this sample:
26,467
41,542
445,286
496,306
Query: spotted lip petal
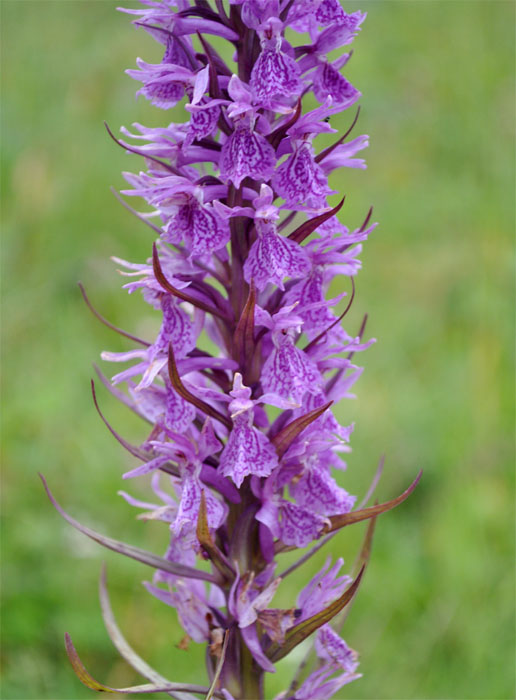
273,257
328,81
289,372
201,229
300,180
317,491
248,451
274,73
246,153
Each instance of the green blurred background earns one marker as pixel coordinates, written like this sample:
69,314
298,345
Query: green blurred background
434,618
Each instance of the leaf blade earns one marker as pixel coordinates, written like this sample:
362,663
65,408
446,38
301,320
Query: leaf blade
244,332
285,437
309,226
322,155
300,632
107,323
87,679
152,560
168,287
339,521
220,664
208,545
132,449
123,647
188,396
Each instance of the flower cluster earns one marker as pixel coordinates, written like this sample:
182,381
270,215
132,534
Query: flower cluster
241,291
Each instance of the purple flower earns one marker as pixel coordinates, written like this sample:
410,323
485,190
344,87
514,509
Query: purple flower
328,81
322,590
336,656
331,12
289,522
203,120
248,451
192,607
275,73
164,83
300,180
176,327
340,33
237,370
195,223
246,153
318,492
288,371
272,257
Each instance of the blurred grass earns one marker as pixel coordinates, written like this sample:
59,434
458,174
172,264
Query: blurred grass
434,618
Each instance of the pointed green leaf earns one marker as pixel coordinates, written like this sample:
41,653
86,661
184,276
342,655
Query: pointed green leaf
220,664
208,545
295,635
322,155
286,437
243,338
87,679
309,226
188,396
107,323
163,281
132,449
123,647
128,550
338,521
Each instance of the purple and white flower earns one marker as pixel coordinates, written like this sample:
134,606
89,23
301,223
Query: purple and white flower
238,374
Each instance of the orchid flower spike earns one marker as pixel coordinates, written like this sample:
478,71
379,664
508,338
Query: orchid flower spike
250,355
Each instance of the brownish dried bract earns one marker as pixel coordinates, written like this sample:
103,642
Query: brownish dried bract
184,644
276,622
216,641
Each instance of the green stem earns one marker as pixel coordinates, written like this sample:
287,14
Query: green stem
251,675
